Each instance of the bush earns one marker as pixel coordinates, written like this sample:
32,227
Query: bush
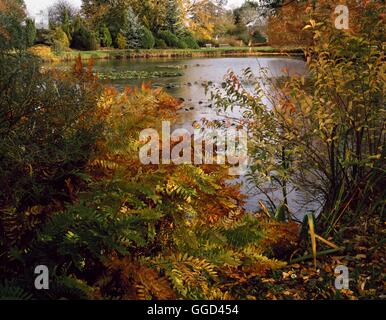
182,44
84,39
190,42
120,41
106,40
60,40
241,33
201,42
231,40
160,44
245,37
54,142
11,32
44,37
44,52
76,198
170,39
40,50
257,37
320,150
147,40
137,218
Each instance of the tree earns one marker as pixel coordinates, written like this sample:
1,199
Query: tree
203,15
106,40
173,16
133,30
151,13
95,10
60,39
170,39
84,39
61,13
67,24
113,15
286,26
147,40
252,17
189,40
268,7
78,22
12,14
120,41
30,32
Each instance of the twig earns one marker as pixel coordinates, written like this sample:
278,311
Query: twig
329,243
264,209
319,254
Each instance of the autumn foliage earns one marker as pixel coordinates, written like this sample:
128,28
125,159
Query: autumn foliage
109,226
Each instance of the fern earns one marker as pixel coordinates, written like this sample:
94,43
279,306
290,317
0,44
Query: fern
190,276
70,288
140,232
12,292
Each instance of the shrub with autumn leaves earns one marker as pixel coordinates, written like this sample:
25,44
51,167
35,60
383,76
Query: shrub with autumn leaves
323,137
104,224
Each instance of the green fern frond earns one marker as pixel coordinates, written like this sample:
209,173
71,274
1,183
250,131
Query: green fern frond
12,292
70,288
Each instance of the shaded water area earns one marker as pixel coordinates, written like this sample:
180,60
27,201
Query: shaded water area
194,75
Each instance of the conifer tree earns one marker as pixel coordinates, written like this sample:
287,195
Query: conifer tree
30,32
172,21
66,24
133,31
106,40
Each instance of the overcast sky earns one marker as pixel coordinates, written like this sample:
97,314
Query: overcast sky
34,6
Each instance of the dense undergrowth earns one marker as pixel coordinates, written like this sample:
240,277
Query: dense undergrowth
324,139
76,198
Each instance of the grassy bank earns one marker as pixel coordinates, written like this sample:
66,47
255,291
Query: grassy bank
167,53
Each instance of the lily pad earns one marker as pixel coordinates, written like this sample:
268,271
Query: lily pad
127,75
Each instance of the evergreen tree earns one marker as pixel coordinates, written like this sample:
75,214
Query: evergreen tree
133,31
66,24
120,41
84,39
106,40
147,40
172,21
77,23
60,40
30,32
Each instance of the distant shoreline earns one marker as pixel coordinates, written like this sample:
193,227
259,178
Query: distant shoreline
116,54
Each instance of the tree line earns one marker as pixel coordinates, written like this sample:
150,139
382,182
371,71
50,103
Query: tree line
133,24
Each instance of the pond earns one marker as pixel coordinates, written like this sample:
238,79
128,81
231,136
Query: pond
196,72
187,78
